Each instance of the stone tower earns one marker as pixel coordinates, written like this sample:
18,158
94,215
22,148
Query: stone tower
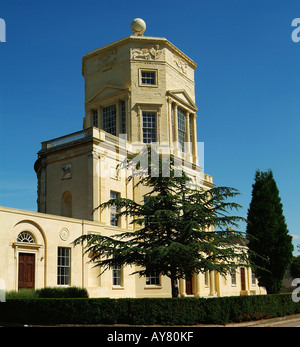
138,90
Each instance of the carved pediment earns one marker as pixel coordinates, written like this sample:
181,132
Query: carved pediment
106,92
150,53
183,97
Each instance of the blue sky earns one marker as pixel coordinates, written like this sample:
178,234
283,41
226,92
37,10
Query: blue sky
247,84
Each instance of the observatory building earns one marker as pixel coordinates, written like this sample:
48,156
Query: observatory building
139,90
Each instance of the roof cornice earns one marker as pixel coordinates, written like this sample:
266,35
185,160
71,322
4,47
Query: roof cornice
141,39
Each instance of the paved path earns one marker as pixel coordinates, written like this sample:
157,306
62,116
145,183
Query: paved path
288,321
295,324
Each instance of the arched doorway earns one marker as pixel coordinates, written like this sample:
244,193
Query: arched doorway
26,262
66,207
29,244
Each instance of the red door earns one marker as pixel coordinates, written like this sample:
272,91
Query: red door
26,271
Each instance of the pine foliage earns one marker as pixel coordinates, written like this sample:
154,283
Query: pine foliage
269,242
179,229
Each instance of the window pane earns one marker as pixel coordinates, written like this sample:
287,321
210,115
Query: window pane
95,118
181,128
149,127
153,279
114,195
233,276
117,273
63,266
114,220
149,77
123,117
25,237
109,119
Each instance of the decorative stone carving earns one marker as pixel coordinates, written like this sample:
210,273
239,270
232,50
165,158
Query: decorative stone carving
146,53
64,234
66,171
108,61
180,64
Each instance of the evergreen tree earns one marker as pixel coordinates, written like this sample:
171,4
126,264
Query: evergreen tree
270,244
295,267
170,234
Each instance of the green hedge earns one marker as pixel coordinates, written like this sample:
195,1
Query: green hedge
67,292
181,311
48,292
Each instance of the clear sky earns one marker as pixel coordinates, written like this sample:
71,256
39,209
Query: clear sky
247,84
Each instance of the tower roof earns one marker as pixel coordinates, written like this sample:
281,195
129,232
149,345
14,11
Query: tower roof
136,40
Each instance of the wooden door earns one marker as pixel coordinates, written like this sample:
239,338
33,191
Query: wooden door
243,279
189,285
26,271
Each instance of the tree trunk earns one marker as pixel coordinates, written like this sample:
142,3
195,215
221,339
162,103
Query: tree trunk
174,286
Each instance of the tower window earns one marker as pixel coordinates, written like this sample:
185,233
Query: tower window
148,78
181,128
191,129
149,127
95,118
109,119
123,117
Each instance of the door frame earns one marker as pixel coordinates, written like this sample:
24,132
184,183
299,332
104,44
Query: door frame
33,254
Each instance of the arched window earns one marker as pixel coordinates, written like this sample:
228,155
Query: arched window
25,237
66,208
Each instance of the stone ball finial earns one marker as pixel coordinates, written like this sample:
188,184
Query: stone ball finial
138,27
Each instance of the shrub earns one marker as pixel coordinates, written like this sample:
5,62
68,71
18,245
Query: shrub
49,292
62,292
22,294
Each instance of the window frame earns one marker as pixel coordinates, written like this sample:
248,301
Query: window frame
153,280
154,129
233,278
181,124
95,118
114,210
117,276
26,237
62,274
150,71
109,124
123,114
